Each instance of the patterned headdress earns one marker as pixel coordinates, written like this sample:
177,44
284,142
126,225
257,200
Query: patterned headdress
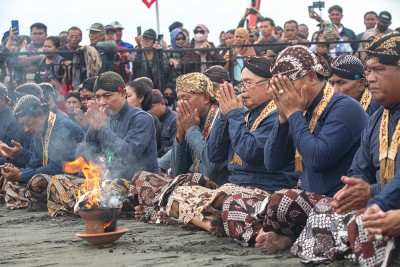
295,61
217,74
26,105
386,50
347,67
109,81
29,89
260,66
196,83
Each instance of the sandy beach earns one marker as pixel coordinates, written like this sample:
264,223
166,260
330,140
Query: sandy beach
35,239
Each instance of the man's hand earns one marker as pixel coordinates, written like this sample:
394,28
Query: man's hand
11,173
287,99
207,45
174,63
180,132
10,152
188,117
378,222
96,115
354,195
81,117
227,99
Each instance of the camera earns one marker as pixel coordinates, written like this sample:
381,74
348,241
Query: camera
318,4
253,11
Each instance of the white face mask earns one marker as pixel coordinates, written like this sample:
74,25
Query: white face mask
198,37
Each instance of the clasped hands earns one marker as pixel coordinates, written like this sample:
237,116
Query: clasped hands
96,115
187,117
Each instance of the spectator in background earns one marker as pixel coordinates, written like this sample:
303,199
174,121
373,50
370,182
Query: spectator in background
50,68
118,27
323,50
63,38
38,36
198,61
382,27
169,96
73,101
51,96
228,41
330,33
291,29
278,32
303,30
151,63
271,45
254,33
11,75
96,33
336,15
178,40
167,118
370,20
24,40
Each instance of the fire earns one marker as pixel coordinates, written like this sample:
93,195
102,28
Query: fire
91,188
107,224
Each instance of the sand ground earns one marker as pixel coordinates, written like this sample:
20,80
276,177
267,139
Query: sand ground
35,239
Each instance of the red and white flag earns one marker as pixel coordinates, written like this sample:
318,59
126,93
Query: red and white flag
148,3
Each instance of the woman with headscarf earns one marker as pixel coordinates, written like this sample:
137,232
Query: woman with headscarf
239,52
178,40
199,61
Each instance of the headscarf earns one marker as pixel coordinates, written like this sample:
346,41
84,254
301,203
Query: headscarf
174,33
217,74
196,83
109,81
347,67
386,50
197,44
244,51
295,61
260,66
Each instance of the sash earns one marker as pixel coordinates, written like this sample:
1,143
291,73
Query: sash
327,96
264,113
387,155
50,124
211,116
366,99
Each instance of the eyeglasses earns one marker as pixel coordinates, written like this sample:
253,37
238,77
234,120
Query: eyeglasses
252,36
180,39
199,31
243,86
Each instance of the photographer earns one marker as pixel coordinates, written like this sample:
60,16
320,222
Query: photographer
249,11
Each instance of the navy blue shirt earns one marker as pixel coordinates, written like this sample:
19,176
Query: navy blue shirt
231,135
168,131
366,164
389,197
129,139
328,151
10,129
64,139
194,143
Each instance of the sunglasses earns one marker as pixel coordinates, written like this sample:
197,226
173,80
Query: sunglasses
180,39
252,36
199,31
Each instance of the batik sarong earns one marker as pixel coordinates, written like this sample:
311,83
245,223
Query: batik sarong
325,238
372,253
15,195
243,215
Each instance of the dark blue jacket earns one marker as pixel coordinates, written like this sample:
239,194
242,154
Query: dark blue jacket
128,142
10,129
389,197
64,139
328,151
231,135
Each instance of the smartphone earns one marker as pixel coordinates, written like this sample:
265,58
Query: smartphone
311,11
328,29
253,11
15,26
139,30
160,39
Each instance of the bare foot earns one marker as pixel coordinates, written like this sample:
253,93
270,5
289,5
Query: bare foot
162,217
139,212
266,241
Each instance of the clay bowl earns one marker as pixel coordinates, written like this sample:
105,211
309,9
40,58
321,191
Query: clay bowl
103,239
99,220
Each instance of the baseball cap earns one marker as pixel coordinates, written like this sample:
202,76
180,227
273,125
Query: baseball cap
385,16
110,28
97,27
150,33
117,25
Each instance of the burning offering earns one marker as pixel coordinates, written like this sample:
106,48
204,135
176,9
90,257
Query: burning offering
99,210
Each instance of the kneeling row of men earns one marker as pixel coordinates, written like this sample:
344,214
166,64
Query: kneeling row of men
244,155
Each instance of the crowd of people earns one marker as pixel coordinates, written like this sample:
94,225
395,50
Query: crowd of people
281,145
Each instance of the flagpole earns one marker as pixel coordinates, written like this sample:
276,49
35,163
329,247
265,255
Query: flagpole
158,18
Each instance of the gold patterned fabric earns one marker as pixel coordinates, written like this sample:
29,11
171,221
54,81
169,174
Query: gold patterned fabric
196,83
386,50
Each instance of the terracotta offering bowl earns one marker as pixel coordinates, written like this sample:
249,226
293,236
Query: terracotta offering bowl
101,225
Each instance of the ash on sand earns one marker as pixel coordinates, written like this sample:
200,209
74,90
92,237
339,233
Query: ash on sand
35,239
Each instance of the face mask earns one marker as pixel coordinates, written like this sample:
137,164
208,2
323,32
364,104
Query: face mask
170,99
381,27
198,37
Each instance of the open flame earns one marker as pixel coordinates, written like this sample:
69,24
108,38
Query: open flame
91,188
